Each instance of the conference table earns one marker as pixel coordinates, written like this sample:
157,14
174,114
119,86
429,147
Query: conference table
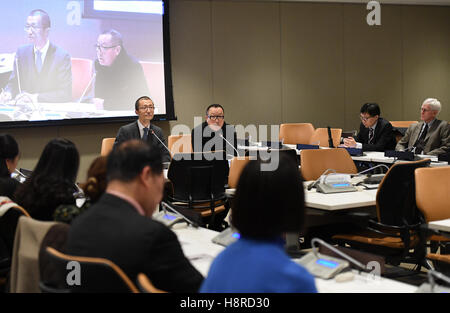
201,251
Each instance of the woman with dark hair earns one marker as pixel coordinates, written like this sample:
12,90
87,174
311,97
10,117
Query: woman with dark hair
93,189
52,181
267,205
9,157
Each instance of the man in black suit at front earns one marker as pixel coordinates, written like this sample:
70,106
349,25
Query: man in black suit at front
375,133
143,129
119,226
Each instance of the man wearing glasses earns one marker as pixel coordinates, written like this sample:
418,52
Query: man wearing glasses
375,133
144,129
42,71
119,77
214,134
430,136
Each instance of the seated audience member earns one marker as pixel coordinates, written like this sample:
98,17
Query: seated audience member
375,133
93,189
9,157
119,76
119,226
52,181
209,136
430,136
267,205
144,129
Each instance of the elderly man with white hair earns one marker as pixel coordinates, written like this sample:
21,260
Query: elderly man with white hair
430,136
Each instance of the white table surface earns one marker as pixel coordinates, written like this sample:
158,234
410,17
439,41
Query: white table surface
199,249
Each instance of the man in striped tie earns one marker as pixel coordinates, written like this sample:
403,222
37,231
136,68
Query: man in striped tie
375,133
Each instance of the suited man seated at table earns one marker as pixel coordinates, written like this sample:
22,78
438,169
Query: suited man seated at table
144,129
42,71
119,226
214,134
375,133
430,136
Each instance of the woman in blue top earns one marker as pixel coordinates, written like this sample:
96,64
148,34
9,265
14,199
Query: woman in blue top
267,205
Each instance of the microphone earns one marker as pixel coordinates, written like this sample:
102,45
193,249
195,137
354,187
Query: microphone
221,136
314,183
88,85
16,60
330,138
337,251
153,133
369,169
166,206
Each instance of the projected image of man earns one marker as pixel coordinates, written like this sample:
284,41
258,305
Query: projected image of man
119,77
42,71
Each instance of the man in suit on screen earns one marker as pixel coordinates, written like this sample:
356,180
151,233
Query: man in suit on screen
42,71
430,136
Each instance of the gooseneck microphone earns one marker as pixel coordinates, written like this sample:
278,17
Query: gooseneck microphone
172,209
221,136
153,133
88,85
16,59
314,183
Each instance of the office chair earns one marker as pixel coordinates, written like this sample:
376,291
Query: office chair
145,285
396,230
107,146
179,144
8,225
320,137
433,201
399,128
198,181
95,275
296,133
315,162
237,165
81,76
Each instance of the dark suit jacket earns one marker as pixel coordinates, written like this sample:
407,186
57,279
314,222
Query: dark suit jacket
113,229
131,131
437,138
203,139
53,83
384,138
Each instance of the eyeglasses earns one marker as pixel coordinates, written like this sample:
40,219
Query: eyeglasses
365,119
218,117
424,110
146,107
27,27
103,48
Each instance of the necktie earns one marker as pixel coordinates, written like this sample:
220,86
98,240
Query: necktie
38,61
371,135
420,143
145,136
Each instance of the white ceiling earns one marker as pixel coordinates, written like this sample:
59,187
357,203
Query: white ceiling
407,2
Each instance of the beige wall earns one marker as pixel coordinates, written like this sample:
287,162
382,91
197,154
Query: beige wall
274,62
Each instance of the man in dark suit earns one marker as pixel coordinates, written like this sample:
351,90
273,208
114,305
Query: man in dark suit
430,136
375,133
143,129
42,71
119,226
214,134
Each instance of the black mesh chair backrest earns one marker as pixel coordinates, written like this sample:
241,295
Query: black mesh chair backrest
95,275
396,196
198,177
